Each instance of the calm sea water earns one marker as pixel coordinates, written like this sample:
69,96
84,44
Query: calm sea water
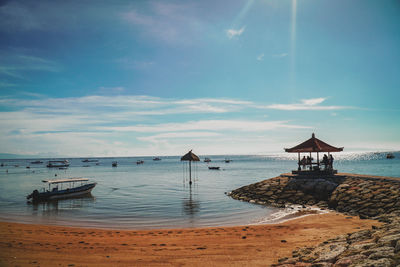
155,194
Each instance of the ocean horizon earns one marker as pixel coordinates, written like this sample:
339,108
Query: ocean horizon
156,194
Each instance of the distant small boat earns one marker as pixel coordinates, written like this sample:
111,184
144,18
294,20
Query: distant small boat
58,163
213,168
390,156
227,160
56,193
36,162
207,160
139,162
90,160
156,159
114,164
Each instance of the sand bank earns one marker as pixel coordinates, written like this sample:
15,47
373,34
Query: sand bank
255,245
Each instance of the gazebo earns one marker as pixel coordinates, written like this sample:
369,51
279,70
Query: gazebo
313,145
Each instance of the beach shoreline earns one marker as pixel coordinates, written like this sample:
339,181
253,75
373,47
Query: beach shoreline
255,245
289,212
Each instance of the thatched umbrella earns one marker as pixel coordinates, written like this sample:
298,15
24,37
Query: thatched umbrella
190,156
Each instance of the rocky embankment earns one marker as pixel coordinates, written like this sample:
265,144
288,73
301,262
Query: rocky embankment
365,196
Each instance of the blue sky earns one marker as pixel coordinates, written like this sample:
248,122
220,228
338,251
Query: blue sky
125,78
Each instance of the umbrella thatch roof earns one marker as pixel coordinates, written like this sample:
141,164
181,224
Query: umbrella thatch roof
313,145
190,156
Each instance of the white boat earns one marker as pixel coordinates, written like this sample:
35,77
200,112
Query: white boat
62,188
57,163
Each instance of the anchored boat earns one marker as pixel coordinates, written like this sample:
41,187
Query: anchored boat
213,168
58,163
62,188
390,156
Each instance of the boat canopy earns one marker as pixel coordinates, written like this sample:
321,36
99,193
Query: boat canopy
71,180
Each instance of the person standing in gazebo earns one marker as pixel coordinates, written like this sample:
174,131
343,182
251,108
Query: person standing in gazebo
331,161
325,161
303,162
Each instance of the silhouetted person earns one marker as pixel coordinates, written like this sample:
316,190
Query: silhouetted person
330,161
309,161
325,161
303,162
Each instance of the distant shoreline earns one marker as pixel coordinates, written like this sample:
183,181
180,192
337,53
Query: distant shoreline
6,156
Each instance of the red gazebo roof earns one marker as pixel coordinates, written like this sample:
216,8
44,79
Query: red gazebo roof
313,145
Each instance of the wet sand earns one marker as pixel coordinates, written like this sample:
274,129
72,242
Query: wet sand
252,245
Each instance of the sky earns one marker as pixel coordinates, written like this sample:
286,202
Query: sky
135,78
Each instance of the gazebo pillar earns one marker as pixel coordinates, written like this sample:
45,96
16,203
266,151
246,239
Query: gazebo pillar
299,168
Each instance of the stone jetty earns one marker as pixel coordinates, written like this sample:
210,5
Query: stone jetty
372,197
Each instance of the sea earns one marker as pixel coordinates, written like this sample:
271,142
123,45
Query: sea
157,194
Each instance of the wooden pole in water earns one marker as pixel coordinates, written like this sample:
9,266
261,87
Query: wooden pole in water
190,172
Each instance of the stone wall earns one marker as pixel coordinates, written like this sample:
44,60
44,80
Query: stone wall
366,196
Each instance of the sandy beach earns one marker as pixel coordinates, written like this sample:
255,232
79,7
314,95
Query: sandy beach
252,245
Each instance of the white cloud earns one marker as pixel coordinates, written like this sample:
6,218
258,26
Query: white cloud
171,23
134,17
14,64
260,57
208,125
231,33
111,90
306,104
121,125
179,135
78,114
313,101
280,55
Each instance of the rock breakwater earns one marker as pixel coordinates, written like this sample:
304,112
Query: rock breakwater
365,196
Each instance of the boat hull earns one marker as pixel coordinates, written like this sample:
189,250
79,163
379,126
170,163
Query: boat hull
62,194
